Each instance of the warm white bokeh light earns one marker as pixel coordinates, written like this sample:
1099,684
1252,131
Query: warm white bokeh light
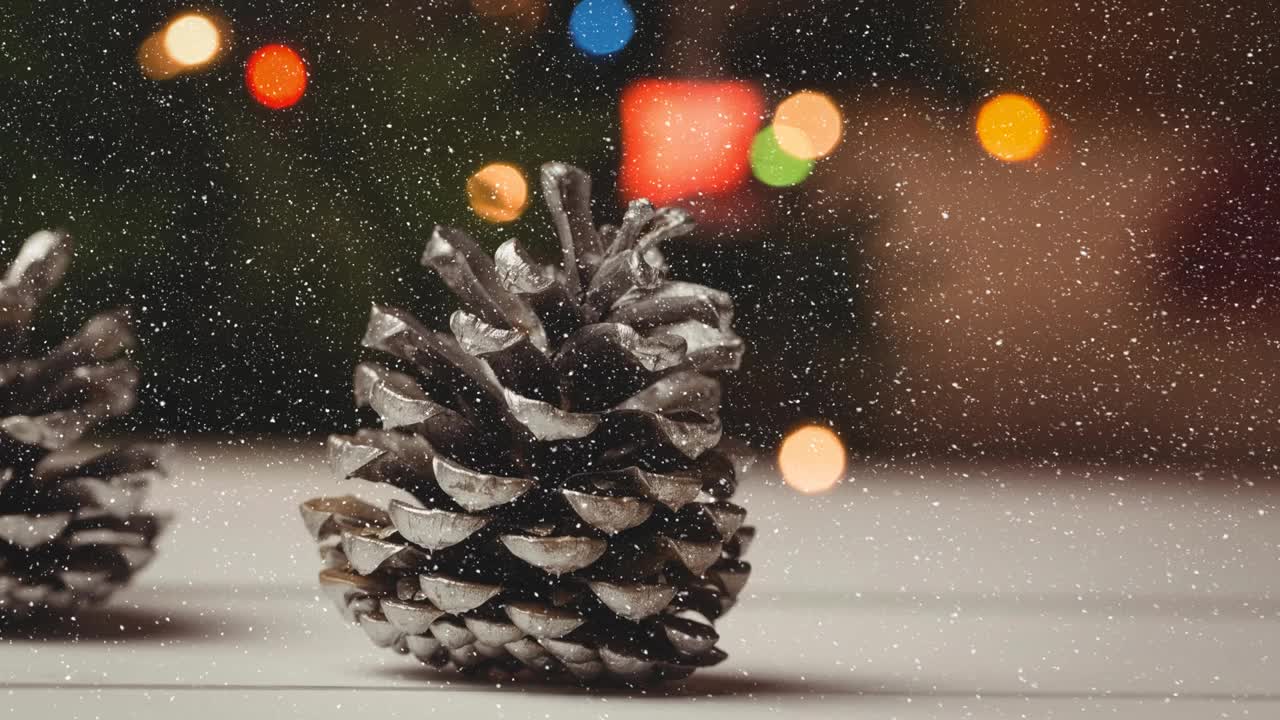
808,125
812,459
192,39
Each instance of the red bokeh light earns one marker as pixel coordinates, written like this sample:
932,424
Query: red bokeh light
682,138
276,76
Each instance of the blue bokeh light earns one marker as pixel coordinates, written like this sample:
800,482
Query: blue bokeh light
602,27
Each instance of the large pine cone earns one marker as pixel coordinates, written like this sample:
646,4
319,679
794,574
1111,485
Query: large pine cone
562,442
71,527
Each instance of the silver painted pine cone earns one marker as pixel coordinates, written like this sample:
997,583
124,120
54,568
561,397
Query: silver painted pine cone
72,530
573,511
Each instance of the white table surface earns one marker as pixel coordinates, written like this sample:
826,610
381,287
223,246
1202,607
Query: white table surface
904,593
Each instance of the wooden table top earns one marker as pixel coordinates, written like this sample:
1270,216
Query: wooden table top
904,593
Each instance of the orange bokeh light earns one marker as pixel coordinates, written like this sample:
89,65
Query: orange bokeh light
682,138
808,125
812,459
1012,127
276,76
498,192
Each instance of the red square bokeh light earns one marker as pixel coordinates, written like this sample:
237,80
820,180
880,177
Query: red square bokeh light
682,138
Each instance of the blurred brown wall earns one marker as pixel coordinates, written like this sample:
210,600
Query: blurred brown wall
1117,296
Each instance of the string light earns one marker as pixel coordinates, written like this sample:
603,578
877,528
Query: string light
681,138
774,166
808,125
602,27
527,14
1012,127
811,459
191,40
498,192
276,76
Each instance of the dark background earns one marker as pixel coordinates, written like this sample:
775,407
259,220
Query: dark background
251,242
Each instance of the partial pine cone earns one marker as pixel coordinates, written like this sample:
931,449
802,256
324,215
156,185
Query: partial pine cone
72,529
563,442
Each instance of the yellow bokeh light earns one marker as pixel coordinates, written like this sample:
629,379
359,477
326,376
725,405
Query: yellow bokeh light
808,125
498,192
191,40
812,459
1012,127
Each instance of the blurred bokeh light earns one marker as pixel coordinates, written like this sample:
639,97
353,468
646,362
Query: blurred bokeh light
682,138
498,192
773,165
192,39
276,76
808,125
187,43
602,27
811,459
1012,127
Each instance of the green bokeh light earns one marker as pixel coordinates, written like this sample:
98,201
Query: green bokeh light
772,165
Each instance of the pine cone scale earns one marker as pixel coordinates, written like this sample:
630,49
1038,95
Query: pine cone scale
434,529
